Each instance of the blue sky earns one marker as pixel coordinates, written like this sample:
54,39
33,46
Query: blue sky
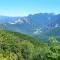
26,7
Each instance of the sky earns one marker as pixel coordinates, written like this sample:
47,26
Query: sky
26,7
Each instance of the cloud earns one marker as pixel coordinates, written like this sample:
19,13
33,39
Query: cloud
37,31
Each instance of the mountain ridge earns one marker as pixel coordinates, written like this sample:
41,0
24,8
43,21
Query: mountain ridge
35,25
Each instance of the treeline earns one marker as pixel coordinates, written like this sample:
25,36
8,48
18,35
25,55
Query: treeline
15,46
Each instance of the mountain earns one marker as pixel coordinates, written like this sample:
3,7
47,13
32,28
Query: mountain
37,25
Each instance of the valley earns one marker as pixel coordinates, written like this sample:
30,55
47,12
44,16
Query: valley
42,24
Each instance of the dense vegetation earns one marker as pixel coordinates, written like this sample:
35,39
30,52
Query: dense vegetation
16,46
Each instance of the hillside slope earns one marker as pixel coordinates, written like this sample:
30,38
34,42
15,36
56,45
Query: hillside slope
17,46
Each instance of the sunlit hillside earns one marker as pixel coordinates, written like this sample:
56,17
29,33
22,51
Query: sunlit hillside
17,46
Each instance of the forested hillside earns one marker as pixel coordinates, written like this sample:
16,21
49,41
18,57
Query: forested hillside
17,46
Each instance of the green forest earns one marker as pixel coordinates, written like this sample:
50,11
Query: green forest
17,46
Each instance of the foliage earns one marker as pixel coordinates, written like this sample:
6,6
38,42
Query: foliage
17,46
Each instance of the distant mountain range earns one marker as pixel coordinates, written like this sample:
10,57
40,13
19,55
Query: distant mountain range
39,25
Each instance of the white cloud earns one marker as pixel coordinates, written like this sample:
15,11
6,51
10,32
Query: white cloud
20,21
37,31
57,25
12,23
